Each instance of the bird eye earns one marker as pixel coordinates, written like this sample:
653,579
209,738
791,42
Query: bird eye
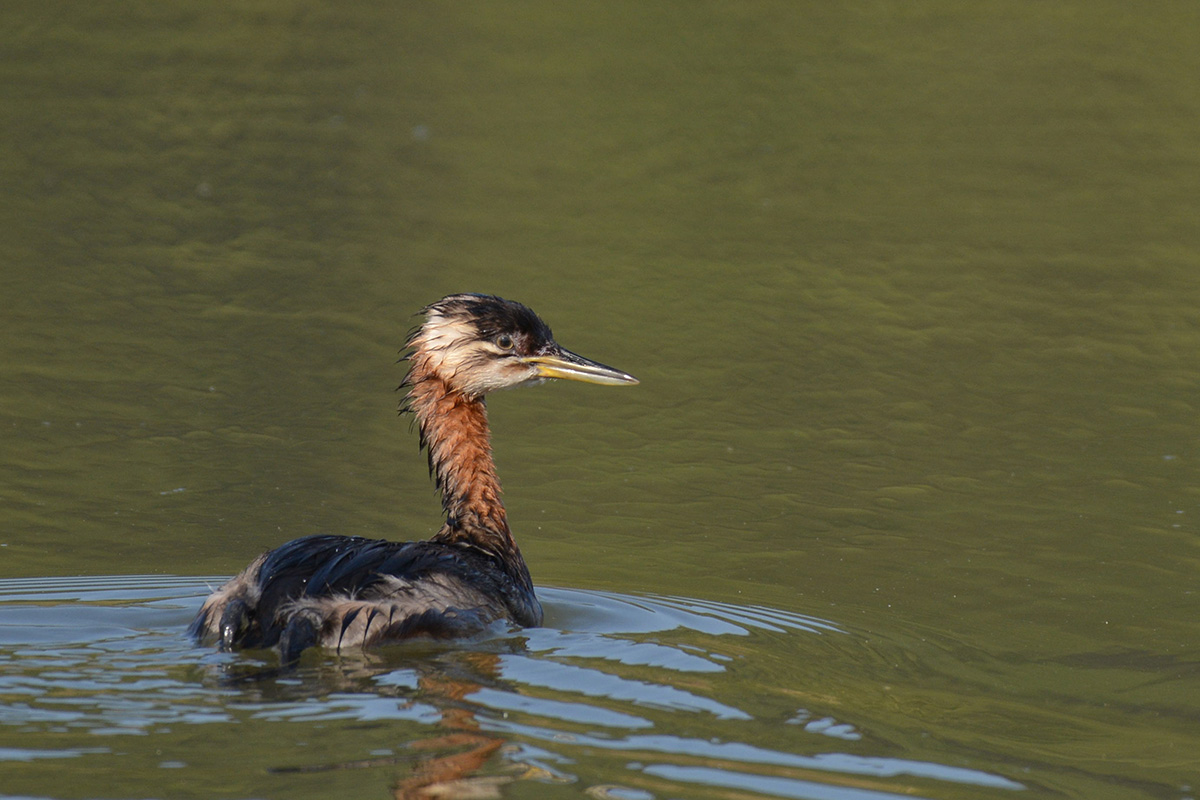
504,342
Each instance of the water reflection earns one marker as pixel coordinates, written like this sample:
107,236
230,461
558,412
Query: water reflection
442,765
613,685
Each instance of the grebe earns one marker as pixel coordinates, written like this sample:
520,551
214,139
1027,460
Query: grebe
347,591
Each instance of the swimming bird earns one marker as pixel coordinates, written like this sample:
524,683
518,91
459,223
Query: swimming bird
348,591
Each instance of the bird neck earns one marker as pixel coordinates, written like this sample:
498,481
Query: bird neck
454,428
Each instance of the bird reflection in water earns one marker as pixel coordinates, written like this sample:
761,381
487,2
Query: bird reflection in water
446,765
455,774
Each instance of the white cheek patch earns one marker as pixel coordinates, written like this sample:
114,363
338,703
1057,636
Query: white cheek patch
494,377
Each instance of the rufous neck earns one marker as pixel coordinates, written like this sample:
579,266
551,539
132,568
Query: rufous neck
454,428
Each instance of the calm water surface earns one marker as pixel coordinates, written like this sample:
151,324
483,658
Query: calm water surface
905,504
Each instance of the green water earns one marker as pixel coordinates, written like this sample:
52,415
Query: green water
913,291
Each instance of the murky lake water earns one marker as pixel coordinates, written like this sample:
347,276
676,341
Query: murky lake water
904,505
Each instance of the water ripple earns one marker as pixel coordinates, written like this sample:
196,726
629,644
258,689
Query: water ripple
663,684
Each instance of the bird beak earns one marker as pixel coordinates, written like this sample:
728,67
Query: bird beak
564,364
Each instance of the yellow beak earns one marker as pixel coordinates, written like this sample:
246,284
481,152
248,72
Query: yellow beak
569,366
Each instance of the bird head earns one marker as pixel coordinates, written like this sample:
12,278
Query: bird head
479,343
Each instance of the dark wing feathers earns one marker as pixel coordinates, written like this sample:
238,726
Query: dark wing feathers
347,590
